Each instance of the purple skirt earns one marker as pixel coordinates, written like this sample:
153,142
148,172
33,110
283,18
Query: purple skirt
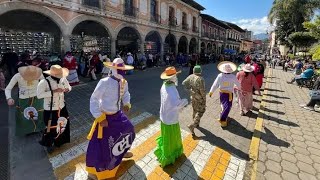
107,153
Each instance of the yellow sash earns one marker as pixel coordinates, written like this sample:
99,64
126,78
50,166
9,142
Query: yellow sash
227,92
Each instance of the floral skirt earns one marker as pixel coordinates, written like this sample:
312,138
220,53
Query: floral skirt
169,144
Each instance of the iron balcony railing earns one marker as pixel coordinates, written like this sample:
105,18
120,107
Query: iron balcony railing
155,18
130,11
195,29
185,26
172,21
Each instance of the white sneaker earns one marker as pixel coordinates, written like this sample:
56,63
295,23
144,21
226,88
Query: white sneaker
309,108
302,105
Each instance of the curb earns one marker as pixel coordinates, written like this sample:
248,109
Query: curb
256,137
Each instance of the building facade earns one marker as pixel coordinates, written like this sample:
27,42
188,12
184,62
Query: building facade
113,26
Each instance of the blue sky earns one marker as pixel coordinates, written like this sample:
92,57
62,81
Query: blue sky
248,14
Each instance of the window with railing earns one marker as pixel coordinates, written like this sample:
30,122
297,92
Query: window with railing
184,21
195,29
91,3
129,9
172,17
154,16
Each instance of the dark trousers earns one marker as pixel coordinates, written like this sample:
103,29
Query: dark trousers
313,102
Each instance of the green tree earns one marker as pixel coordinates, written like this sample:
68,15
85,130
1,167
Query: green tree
302,40
313,27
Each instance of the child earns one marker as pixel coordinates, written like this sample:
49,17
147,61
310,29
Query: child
2,80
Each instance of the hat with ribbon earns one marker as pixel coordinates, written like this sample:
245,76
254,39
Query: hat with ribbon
57,71
227,67
248,68
118,63
30,73
169,72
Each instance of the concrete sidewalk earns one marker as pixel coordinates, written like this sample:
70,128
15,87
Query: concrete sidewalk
290,140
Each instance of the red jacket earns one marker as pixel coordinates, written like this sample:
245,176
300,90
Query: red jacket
70,63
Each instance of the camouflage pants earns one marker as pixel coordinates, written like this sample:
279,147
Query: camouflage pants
199,107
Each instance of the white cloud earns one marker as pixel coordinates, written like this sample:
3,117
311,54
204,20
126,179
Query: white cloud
257,25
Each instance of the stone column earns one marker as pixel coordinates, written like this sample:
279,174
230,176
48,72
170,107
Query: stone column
142,45
162,51
65,41
113,48
177,48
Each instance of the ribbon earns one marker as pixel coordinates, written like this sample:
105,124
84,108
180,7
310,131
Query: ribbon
94,125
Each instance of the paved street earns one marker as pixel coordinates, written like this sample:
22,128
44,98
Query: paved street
213,154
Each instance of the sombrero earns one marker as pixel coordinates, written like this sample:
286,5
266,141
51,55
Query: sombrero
248,68
227,67
30,73
169,72
118,64
57,71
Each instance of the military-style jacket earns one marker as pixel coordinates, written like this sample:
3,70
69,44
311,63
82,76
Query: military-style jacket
196,85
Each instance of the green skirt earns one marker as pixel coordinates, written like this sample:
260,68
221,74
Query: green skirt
169,144
29,116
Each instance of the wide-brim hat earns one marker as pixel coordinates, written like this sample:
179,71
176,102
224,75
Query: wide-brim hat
227,67
248,68
30,73
57,71
118,63
169,72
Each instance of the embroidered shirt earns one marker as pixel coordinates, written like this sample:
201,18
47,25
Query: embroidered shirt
26,89
43,91
225,82
171,103
105,97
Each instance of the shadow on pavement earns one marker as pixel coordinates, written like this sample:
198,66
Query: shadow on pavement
139,174
272,101
271,118
217,141
236,128
270,138
276,96
273,89
272,111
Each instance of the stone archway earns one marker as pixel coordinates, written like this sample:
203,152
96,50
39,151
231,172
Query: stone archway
183,45
153,42
214,48
170,44
209,48
203,48
193,46
128,40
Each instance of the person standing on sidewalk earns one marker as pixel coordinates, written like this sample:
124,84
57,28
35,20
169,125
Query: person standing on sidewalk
169,146
71,64
247,82
225,82
196,85
112,133
29,118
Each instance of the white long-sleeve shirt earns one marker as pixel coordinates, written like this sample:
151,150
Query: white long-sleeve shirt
106,95
43,91
225,82
171,103
26,90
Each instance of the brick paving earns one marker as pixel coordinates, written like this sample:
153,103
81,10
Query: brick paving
290,141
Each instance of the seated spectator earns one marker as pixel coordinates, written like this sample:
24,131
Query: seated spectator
315,100
307,74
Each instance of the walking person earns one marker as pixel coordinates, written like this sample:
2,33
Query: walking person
71,64
225,81
258,72
247,82
196,85
94,60
29,117
108,102
169,143
56,116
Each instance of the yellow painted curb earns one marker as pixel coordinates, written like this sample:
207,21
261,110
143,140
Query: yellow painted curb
255,141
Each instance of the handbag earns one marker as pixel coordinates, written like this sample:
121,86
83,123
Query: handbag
315,94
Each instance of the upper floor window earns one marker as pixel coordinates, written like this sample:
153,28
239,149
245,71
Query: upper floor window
172,17
129,8
153,11
92,3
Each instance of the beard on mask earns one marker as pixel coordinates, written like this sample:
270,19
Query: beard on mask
175,80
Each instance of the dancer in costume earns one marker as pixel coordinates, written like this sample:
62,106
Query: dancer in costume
196,85
71,64
169,143
112,133
29,114
225,82
56,116
247,82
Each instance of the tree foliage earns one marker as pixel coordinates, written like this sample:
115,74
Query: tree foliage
315,51
313,27
302,39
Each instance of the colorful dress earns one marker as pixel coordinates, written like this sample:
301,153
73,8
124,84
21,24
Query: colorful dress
57,110
108,145
70,63
225,83
169,142
29,114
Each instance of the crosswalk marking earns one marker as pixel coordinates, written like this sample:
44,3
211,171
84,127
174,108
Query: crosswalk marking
201,159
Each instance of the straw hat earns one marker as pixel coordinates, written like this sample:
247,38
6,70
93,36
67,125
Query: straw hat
118,64
248,68
57,71
169,73
30,73
227,67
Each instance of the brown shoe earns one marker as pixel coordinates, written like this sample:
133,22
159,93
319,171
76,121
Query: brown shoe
128,155
224,123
